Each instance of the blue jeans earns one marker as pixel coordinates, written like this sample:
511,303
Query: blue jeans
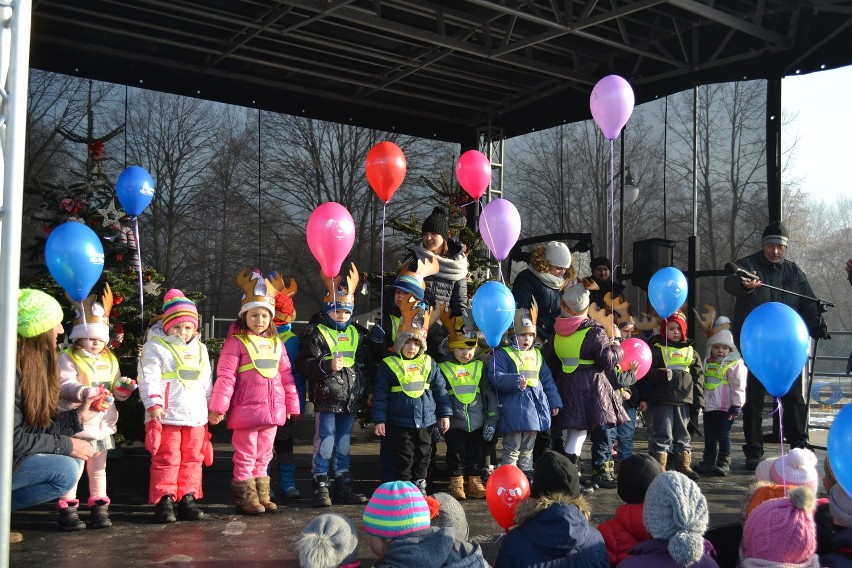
717,428
331,442
602,437
624,434
42,478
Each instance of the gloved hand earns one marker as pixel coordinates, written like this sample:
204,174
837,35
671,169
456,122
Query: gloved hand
735,411
437,436
488,432
207,447
377,334
124,386
153,436
821,331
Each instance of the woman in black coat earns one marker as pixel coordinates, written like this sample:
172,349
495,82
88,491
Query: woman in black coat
549,267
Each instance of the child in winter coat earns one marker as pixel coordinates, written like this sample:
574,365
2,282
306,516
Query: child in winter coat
552,525
676,517
626,529
410,396
474,405
781,532
725,376
396,520
285,312
255,387
409,280
85,370
526,394
676,381
336,358
175,384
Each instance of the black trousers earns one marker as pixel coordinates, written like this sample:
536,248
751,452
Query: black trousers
410,450
464,451
795,418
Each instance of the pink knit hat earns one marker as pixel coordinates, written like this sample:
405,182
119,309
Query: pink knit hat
782,530
798,467
177,308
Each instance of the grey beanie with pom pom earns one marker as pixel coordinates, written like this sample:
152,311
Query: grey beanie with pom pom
327,542
676,511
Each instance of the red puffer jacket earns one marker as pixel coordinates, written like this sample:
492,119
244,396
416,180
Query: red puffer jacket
623,532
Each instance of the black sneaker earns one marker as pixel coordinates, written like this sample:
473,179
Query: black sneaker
164,510
188,509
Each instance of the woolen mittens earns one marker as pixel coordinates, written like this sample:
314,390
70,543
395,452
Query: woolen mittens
153,436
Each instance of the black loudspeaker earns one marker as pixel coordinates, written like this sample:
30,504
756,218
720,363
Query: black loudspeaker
649,256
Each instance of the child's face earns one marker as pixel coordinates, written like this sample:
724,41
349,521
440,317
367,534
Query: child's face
673,331
90,344
340,316
720,351
464,354
525,340
410,349
626,330
185,330
398,295
257,319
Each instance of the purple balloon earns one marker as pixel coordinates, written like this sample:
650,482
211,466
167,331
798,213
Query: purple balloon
500,227
612,103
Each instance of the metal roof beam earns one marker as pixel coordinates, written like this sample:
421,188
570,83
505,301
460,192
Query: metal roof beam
732,22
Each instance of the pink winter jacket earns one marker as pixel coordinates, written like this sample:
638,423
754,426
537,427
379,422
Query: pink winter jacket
249,399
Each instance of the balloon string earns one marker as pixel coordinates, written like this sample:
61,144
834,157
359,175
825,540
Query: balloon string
612,226
382,287
491,238
139,271
779,408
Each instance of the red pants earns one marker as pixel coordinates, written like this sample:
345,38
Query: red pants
176,468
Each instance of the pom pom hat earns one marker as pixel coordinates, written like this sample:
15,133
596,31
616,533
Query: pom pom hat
37,312
395,509
782,530
798,467
177,308
676,511
91,319
328,541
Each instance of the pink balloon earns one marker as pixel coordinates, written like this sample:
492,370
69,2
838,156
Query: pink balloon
636,350
500,227
331,234
473,171
612,103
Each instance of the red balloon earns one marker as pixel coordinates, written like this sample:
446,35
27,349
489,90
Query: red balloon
506,487
636,350
385,169
473,171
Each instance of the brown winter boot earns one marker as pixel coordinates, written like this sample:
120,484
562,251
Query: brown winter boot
661,457
262,485
245,497
456,488
683,464
475,487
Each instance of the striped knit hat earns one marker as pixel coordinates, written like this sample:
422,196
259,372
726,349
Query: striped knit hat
396,508
177,308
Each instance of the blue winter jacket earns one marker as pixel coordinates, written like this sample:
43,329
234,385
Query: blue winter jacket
399,409
525,410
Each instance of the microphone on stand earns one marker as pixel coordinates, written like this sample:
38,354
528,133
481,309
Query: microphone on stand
732,268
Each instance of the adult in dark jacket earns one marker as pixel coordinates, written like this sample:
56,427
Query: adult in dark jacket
769,265
550,266
45,458
552,526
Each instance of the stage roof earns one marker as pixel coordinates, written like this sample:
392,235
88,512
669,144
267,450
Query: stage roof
434,68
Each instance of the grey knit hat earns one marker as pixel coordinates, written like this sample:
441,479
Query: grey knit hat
451,516
676,511
327,542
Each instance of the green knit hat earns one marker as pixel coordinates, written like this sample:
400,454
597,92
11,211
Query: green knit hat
37,312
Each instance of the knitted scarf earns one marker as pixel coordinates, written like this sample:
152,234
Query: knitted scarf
549,279
451,269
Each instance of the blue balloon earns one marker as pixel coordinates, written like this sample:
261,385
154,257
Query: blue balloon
774,342
75,258
839,442
493,310
135,190
667,290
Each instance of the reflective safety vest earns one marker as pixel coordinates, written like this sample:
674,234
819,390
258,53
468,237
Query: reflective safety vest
677,358
715,374
463,379
188,362
411,374
527,362
99,371
567,348
265,353
394,326
343,343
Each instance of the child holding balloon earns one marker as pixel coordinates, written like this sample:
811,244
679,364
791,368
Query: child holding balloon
89,370
526,394
725,376
255,387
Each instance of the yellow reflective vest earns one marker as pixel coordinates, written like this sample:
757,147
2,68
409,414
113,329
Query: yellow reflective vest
265,353
463,379
96,371
342,343
567,348
528,363
715,373
188,362
411,374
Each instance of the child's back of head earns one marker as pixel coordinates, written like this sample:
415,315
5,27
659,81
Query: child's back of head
328,541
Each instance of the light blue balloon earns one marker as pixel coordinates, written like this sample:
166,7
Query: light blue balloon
839,442
667,290
493,309
135,190
75,258
774,342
